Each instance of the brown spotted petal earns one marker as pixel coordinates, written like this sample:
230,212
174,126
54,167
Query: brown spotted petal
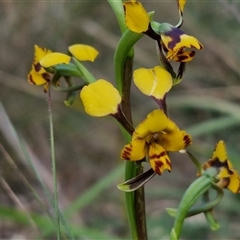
135,150
175,141
180,56
175,41
232,182
159,159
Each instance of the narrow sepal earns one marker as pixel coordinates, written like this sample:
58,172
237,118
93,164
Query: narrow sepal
136,182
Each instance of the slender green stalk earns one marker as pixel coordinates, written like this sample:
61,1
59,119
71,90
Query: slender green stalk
124,49
130,171
117,7
195,162
123,63
204,208
194,191
57,219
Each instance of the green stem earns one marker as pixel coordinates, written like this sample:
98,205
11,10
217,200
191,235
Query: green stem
194,191
117,7
54,166
86,75
124,50
140,207
127,77
130,171
123,62
195,162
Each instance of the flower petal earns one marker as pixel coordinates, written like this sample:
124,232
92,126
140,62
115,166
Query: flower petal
38,79
136,17
154,82
100,98
39,53
231,182
155,121
175,141
83,52
181,4
54,59
180,56
175,39
158,158
234,183
220,152
134,151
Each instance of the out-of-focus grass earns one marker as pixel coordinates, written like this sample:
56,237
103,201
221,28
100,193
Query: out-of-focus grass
87,149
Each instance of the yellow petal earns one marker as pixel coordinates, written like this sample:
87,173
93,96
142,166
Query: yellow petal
181,4
220,152
180,56
39,53
136,17
189,42
134,151
154,82
155,122
38,79
234,183
100,98
83,52
175,141
54,59
231,182
158,158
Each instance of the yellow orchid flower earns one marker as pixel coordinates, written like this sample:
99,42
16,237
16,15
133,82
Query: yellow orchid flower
155,82
100,98
83,52
227,176
153,138
175,41
38,75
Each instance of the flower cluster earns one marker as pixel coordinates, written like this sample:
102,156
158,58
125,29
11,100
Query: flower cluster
157,135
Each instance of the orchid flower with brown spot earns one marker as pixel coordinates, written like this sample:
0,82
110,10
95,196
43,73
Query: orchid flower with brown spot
175,42
38,75
153,138
227,176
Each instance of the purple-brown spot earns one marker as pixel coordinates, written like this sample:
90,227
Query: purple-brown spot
168,163
46,76
174,34
163,153
158,165
37,67
30,79
187,140
126,153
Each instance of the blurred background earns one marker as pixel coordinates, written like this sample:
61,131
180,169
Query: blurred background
206,104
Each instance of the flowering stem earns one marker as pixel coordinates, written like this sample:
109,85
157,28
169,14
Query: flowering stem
57,220
123,62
